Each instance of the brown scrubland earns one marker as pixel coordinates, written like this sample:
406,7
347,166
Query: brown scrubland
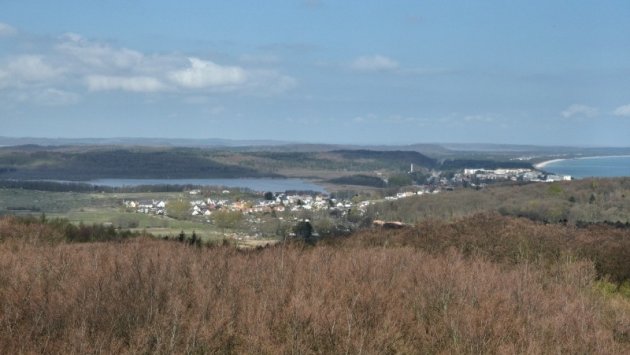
572,202
482,284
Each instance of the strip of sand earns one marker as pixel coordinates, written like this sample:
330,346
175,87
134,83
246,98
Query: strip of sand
546,162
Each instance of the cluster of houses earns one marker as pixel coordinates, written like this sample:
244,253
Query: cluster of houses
487,175
206,207
146,206
279,203
407,194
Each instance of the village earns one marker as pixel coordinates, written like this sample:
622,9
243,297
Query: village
491,175
269,203
274,203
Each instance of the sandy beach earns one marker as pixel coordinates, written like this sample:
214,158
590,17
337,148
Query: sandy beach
546,162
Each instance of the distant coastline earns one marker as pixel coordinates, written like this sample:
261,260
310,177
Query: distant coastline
600,166
547,162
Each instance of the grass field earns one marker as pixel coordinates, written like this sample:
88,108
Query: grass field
104,208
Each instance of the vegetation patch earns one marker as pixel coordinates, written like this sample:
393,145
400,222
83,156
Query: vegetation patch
150,296
359,180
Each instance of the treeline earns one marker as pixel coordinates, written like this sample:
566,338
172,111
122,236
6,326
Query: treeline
117,163
274,161
359,180
398,159
337,160
52,186
57,186
43,230
7,170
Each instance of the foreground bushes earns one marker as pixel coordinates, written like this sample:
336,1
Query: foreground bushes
41,230
572,202
513,240
487,284
150,296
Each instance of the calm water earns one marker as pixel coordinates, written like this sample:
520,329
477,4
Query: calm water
592,167
274,185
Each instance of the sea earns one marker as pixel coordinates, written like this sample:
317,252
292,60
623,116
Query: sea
255,184
612,166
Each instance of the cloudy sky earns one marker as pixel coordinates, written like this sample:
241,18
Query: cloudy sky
387,72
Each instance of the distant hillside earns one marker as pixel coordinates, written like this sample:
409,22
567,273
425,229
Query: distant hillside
359,180
426,149
79,162
41,163
395,156
513,150
340,160
138,141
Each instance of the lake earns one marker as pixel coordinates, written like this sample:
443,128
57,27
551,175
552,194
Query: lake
591,167
262,184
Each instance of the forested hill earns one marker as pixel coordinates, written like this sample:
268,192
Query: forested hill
94,162
396,156
74,164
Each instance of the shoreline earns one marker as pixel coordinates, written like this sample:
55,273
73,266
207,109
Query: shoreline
547,162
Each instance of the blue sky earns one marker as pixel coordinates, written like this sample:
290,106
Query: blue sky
383,72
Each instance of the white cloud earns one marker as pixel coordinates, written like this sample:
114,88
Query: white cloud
6,30
74,63
31,68
98,55
622,111
204,73
133,84
374,63
579,110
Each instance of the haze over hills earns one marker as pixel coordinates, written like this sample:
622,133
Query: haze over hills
438,147
137,141
438,151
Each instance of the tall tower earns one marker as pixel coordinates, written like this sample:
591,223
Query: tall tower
411,170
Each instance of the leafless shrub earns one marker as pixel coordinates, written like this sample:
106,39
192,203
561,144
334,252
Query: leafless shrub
150,296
